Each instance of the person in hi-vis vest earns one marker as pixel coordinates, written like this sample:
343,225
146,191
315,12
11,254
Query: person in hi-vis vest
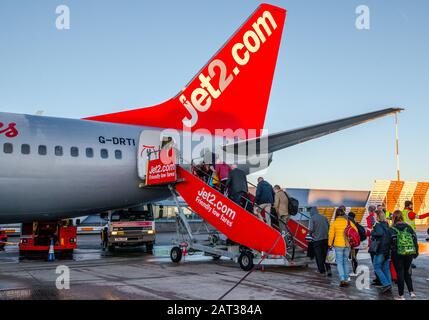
382,207
410,217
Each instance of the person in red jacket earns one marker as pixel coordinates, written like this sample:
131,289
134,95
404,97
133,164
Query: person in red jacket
371,220
222,170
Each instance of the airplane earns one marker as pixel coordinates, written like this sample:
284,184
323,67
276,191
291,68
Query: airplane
55,168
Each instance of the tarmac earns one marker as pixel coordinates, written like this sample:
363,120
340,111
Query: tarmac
132,273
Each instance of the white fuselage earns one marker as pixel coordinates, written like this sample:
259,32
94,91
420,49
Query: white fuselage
88,167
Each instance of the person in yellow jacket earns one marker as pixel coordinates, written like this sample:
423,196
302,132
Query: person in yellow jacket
338,241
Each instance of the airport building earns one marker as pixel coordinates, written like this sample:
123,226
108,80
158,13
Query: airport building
392,193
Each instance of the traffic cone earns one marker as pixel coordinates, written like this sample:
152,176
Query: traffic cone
51,254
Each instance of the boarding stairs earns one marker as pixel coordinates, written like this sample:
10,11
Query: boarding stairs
238,225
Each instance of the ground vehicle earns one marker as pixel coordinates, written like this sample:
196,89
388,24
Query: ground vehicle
36,237
92,224
3,239
11,229
130,227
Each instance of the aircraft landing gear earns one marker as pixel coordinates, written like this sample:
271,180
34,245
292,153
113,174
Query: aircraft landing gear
176,254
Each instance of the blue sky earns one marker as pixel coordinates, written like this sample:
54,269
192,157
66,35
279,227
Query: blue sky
120,55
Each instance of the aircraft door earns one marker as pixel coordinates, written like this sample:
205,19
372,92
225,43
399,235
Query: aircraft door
149,141
170,140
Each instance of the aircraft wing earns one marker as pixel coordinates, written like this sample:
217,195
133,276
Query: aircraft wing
281,140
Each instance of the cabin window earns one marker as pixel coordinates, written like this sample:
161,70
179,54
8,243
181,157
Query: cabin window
89,153
104,153
59,151
43,150
74,151
25,149
118,154
8,148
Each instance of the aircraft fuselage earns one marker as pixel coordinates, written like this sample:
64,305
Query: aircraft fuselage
58,168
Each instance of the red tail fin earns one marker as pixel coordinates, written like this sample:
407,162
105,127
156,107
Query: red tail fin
231,91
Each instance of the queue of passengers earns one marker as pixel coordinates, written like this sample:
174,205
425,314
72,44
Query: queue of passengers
392,247
270,204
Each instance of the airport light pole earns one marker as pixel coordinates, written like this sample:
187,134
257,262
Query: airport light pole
398,170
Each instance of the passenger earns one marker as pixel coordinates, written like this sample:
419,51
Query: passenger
104,238
199,170
248,202
404,249
223,171
382,207
275,220
371,220
202,171
381,247
338,241
264,199
207,172
354,251
281,207
319,229
214,180
237,185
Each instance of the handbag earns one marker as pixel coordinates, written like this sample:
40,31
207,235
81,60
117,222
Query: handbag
330,257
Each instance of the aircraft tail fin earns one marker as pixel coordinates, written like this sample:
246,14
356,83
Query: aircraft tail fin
231,91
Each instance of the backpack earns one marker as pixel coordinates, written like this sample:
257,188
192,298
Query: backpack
214,180
405,242
293,205
361,231
351,235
